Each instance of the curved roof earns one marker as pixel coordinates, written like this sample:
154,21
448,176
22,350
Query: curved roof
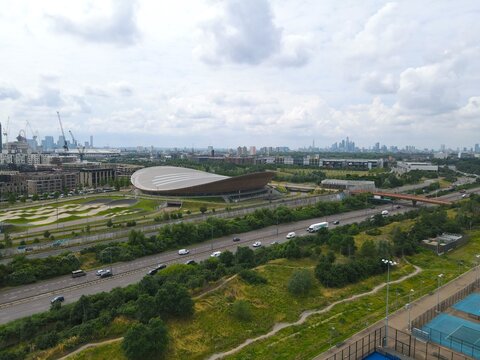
184,181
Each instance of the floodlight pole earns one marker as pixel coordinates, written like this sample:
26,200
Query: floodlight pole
439,277
478,270
409,308
388,263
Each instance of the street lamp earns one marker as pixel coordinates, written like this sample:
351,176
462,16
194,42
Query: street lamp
409,307
388,263
439,278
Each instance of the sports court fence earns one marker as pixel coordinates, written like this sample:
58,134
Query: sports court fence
463,339
400,345
428,315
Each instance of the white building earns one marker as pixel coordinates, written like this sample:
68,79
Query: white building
405,166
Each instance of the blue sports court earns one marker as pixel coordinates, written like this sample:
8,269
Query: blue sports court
469,305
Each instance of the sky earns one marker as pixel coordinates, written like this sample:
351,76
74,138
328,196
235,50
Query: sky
181,73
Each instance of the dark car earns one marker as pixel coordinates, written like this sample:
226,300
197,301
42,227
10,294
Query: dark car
57,299
336,222
236,238
191,262
106,273
156,269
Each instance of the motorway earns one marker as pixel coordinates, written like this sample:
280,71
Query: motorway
29,299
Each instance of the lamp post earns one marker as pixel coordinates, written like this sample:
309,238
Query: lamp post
409,306
388,263
439,278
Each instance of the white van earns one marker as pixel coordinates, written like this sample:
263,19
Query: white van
384,212
291,235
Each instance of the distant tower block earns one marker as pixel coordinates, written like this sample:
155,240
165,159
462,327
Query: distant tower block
91,141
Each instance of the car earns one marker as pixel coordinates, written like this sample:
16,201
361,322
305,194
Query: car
464,196
336,222
100,272
156,269
257,244
216,254
183,252
291,235
236,239
57,299
190,262
398,206
274,243
106,273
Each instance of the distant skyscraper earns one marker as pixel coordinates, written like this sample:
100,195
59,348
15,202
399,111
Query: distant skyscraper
1,134
91,141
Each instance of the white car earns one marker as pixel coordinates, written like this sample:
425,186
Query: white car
183,252
257,244
216,254
100,272
291,235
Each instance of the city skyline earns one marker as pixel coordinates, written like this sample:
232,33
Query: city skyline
269,73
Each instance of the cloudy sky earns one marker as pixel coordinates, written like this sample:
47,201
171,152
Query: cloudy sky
243,72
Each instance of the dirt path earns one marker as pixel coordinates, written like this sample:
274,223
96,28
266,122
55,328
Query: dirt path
87,346
279,326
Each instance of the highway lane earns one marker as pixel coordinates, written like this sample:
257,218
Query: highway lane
29,299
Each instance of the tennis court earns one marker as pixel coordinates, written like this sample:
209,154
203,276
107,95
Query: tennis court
469,305
455,333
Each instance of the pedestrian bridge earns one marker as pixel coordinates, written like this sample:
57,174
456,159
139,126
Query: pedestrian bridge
413,198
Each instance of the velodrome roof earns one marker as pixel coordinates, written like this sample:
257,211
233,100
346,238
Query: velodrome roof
184,181
167,178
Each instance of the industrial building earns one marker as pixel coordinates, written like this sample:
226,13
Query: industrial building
170,180
348,184
404,166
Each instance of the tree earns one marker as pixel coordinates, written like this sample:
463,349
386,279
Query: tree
227,258
46,234
35,197
242,310
146,308
245,257
173,299
300,282
109,223
146,341
203,209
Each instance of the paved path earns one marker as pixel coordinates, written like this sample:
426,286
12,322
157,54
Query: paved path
399,319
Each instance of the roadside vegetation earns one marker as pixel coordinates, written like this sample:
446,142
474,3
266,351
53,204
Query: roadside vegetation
274,284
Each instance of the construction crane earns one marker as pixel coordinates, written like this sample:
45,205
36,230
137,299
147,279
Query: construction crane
65,145
34,133
81,150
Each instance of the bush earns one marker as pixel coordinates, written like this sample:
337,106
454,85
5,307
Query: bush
373,232
131,223
242,310
300,283
146,341
252,277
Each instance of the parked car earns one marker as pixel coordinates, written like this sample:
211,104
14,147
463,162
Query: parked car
291,235
236,238
57,299
216,254
183,252
257,244
336,222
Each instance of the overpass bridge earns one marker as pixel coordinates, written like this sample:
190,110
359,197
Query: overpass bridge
413,198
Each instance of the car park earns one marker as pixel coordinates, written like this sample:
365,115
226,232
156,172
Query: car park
257,244
291,235
216,254
336,222
58,299
183,252
236,239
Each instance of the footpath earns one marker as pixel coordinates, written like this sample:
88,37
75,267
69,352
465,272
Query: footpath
399,319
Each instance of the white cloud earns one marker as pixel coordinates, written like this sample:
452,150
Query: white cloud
119,27
8,92
376,83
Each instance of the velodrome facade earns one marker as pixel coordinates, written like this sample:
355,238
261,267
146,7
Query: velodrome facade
171,180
